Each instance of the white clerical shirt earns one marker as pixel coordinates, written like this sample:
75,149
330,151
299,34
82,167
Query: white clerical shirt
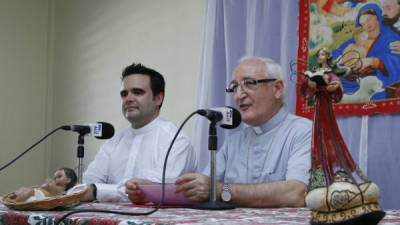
275,151
139,153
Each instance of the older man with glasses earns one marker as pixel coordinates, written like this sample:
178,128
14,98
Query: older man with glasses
266,164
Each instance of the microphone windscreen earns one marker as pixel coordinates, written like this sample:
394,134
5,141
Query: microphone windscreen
107,131
236,119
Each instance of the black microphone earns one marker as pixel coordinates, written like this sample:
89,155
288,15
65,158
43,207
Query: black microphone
100,130
227,117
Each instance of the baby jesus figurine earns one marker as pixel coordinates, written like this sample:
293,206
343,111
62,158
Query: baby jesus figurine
63,179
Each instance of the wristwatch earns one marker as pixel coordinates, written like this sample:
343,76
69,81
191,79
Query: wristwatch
226,192
94,191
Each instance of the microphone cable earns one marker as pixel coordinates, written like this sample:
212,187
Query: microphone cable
47,135
20,155
58,221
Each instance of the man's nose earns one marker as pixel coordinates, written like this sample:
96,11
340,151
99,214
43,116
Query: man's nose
129,97
240,92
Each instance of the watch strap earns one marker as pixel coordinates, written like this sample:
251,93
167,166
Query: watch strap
226,192
94,191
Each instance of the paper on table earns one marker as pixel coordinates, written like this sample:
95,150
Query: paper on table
153,194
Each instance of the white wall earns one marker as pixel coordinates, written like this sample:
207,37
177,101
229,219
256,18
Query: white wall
95,39
73,76
23,90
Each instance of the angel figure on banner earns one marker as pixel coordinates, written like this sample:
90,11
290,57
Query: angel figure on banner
338,191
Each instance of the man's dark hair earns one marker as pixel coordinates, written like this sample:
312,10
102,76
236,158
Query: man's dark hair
157,82
70,173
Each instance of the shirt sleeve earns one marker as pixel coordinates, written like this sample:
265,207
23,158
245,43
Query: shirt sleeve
97,173
111,192
300,156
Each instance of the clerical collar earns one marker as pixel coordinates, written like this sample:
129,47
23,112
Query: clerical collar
148,127
272,123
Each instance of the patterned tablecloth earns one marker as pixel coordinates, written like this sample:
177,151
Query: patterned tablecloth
168,216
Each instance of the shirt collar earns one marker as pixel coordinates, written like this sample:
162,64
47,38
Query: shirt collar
273,122
148,127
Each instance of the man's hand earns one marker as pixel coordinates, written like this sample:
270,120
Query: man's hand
88,196
195,186
134,193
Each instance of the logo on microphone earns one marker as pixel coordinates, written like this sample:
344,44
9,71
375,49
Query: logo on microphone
96,130
228,117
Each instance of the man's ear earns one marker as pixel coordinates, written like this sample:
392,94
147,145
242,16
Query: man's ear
279,86
159,98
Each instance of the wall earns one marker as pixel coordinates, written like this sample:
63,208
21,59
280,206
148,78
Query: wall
61,62
94,40
23,90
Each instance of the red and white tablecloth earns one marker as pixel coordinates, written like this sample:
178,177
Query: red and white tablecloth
169,216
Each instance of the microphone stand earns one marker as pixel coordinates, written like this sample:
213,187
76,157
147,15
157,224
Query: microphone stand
80,154
213,204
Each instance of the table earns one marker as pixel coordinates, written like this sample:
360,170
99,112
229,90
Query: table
169,216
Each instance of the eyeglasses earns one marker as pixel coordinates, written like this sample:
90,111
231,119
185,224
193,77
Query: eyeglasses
247,84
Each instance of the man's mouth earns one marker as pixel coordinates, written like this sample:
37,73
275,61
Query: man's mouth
244,107
131,108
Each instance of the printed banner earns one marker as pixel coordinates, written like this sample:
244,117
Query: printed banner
361,35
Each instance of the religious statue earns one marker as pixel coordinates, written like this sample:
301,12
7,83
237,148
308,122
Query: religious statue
338,191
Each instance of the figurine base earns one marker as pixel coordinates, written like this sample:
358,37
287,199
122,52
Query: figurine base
369,214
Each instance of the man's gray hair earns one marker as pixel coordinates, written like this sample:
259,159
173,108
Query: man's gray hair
272,70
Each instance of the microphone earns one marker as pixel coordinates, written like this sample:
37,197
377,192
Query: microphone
100,130
227,117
